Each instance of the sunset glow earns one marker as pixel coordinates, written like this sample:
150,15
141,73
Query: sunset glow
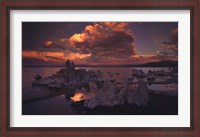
53,56
100,68
101,42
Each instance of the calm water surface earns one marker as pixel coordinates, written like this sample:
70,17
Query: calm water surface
59,104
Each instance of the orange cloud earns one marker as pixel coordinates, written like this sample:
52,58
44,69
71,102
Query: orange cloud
90,28
63,40
93,33
102,39
53,56
77,38
48,43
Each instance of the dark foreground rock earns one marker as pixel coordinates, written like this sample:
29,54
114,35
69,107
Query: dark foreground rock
158,105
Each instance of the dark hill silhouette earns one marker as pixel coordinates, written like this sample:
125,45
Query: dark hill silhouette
40,63
166,63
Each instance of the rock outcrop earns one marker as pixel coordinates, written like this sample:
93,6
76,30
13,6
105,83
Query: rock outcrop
138,73
138,94
70,77
111,95
94,90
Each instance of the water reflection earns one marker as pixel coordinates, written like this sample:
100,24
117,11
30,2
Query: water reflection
46,98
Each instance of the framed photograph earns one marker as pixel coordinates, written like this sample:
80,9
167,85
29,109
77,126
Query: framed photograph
103,68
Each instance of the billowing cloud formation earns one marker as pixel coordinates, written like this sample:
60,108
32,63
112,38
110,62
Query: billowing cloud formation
53,56
116,26
106,39
104,43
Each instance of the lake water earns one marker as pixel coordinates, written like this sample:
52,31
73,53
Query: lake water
58,104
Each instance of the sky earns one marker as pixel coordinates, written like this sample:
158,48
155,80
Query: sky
98,43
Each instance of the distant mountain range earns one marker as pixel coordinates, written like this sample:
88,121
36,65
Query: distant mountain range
166,63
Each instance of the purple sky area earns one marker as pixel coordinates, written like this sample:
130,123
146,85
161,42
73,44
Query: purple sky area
98,42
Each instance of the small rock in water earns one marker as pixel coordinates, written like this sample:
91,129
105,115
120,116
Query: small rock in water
37,76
